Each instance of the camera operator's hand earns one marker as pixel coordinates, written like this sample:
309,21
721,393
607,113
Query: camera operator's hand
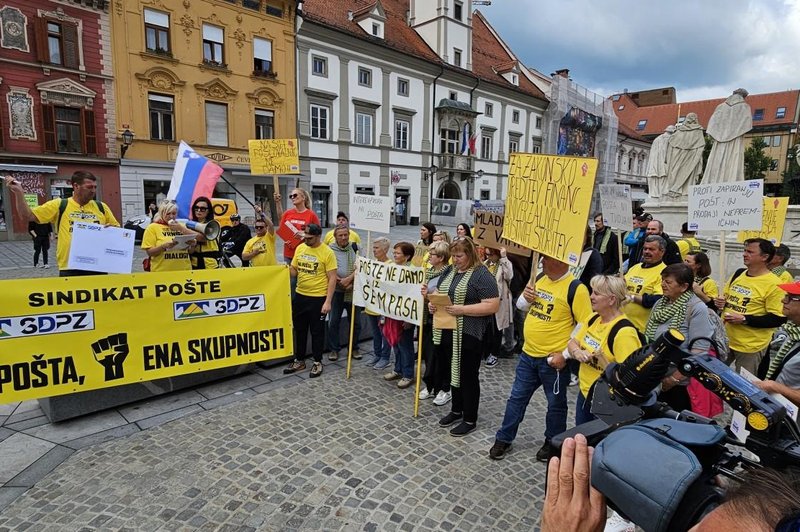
571,504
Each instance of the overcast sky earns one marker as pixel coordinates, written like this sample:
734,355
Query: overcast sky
703,48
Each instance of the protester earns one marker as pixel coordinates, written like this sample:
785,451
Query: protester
206,252
41,242
473,292
437,365
81,207
688,244
522,267
704,286
463,230
381,350
751,306
159,241
644,282
556,305
346,256
782,373
672,254
502,334
594,261
442,236
314,266
237,235
400,334
299,216
260,250
605,241
342,219
152,210
426,232
634,238
778,263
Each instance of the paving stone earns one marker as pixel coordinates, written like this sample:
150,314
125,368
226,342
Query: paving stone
18,452
77,428
41,467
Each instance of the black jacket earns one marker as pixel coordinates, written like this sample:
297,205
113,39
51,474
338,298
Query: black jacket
611,256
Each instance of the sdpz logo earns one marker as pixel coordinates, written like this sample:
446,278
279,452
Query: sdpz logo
223,306
41,324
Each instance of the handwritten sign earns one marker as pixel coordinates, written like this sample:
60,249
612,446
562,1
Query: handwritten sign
726,206
274,156
488,231
617,206
389,290
548,203
370,213
774,218
32,200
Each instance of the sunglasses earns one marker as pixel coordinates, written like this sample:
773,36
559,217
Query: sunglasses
261,227
293,196
198,208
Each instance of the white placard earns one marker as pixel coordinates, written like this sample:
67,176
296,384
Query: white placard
389,290
726,206
616,205
370,213
101,249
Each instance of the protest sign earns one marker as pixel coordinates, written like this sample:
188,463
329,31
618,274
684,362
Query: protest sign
62,336
773,220
726,206
389,290
370,213
616,205
488,232
101,249
548,202
274,156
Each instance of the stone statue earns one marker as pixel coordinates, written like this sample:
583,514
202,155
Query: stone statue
684,158
730,121
657,164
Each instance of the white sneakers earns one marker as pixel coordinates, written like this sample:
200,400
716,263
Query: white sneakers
442,398
615,523
425,394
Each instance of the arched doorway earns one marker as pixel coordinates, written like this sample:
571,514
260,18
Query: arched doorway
449,190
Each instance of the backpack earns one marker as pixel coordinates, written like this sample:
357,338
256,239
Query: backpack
63,207
616,328
720,336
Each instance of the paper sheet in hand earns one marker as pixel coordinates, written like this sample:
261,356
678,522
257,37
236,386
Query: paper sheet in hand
183,241
441,319
101,249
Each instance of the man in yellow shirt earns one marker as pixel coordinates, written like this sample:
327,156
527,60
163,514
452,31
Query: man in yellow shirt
752,306
260,250
643,281
341,220
557,304
314,265
81,207
688,244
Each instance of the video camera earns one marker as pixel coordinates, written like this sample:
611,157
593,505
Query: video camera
657,467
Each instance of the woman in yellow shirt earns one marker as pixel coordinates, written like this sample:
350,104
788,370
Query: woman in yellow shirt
159,241
704,286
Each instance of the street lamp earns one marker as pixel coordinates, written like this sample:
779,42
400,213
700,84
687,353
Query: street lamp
127,140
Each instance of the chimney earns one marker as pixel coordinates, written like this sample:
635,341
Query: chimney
564,73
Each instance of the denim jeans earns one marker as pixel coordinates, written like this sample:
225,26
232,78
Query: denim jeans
404,354
532,373
338,306
583,413
380,346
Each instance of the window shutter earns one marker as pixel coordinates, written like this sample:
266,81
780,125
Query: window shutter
40,31
70,31
49,127
89,136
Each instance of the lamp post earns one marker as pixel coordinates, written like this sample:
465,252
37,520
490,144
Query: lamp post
127,140
431,177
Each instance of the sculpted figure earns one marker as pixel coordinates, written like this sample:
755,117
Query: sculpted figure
730,121
684,157
657,164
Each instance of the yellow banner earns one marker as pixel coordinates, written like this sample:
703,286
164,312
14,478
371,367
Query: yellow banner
774,218
274,156
548,203
67,335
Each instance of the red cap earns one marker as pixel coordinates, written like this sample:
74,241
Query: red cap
791,288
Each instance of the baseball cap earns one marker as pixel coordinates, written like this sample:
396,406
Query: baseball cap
646,217
791,288
313,230
235,217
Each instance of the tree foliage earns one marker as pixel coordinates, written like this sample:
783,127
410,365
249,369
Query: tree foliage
791,179
756,162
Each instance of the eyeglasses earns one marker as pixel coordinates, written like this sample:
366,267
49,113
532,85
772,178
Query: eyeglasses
293,196
788,298
261,227
199,208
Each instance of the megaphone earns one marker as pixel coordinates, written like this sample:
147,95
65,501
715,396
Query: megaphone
209,229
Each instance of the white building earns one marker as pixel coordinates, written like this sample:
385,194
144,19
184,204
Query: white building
396,87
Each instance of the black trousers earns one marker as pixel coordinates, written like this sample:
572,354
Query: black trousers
40,246
466,397
307,317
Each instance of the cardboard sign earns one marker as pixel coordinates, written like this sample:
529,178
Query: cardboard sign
274,156
488,232
370,213
389,289
726,206
617,206
548,203
774,218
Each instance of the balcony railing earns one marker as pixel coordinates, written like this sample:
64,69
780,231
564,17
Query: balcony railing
453,162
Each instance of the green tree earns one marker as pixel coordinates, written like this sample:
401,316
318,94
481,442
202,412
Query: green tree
791,178
756,162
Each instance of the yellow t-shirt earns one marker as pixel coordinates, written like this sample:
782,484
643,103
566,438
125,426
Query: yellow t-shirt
754,296
329,238
595,336
89,213
786,277
685,245
171,260
641,281
206,247
710,288
313,265
550,320
265,243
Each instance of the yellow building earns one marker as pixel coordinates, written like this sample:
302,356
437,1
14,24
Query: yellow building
214,73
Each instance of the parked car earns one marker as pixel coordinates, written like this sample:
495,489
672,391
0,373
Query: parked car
137,224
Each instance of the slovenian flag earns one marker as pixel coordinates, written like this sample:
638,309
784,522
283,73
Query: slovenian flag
465,134
193,176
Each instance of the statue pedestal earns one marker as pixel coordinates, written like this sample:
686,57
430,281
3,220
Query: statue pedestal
671,213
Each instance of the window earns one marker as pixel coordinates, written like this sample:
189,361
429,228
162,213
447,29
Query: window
274,11
68,130
454,96
457,57
488,110
514,79
513,145
213,45
162,113
485,194
776,140
780,112
401,129
319,122
54,42
538,122
265,124
402,87
364,77
363,129
156,31
621,107
262,56
773,165
216,124
319,66
536,148
449,142
641,125
376,30
758,114
486,147
515,117
458,10
255,5
57,42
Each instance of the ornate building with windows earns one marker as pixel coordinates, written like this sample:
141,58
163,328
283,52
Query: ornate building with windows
56,102
213,73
